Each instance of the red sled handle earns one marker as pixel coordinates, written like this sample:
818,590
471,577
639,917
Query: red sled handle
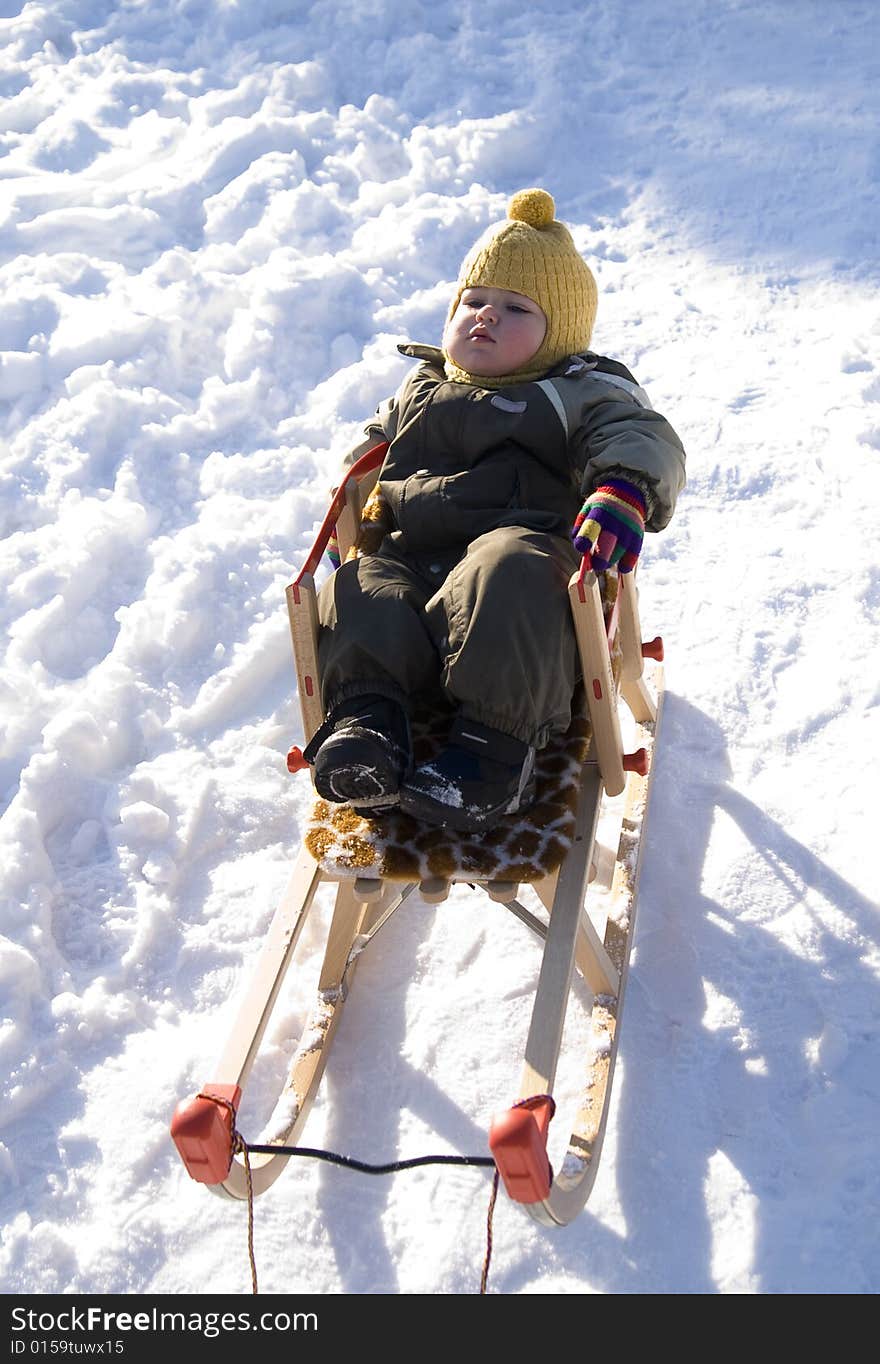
364,465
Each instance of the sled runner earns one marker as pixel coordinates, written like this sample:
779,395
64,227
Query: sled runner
377,863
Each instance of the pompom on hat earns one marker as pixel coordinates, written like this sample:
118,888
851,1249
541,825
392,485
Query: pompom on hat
533,254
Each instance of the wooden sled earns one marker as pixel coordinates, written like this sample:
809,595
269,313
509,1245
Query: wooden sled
370,887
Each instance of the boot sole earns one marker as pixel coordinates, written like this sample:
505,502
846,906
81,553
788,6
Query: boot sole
463,818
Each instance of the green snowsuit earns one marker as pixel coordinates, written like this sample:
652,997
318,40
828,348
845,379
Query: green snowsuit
468,592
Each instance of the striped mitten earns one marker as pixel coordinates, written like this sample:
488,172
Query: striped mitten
610,526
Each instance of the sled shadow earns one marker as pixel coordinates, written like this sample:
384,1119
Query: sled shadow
732,1060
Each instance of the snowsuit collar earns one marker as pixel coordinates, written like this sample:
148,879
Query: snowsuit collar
433,355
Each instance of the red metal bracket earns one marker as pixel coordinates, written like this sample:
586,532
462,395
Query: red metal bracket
518,1142
202,1130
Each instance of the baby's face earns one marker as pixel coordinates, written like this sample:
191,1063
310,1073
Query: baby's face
493,332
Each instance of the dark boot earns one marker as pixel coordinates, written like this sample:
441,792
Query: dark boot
362,752
479,776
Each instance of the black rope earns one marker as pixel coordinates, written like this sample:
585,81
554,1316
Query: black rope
352,1164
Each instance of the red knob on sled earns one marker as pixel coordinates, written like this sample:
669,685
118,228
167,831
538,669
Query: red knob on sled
636,762
202,1132
518,1141
295,760
653,648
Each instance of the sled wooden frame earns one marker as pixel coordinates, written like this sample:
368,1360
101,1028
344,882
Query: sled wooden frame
203,1127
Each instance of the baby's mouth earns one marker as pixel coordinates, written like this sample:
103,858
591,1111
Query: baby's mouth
481,336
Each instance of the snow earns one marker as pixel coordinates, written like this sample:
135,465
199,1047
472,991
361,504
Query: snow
218,220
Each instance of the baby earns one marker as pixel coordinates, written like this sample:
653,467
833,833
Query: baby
512,451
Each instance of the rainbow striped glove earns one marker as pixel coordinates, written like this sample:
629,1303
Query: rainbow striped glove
610,526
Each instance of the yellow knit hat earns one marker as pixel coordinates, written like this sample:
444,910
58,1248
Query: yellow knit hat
534,255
